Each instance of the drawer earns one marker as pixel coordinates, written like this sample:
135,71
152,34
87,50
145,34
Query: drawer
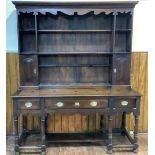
26,104
50,103
124,103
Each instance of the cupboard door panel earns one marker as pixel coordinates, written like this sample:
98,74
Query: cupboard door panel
121,69
28,70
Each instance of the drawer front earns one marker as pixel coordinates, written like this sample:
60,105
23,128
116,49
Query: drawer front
25,104
49,103
124,103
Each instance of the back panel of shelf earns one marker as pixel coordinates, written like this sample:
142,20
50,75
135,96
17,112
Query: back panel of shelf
86,41
75,42
62,21
74,69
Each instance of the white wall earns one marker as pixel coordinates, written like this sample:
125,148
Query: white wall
142,26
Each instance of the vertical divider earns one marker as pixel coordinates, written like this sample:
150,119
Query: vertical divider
36,42
18,32
131,32
113,32
36,33
113,46
77,70
76,56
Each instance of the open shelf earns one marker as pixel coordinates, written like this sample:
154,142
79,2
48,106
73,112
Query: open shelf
27,42
75,60
74,68
44,34
26,21
65,22
123,21
123,41
75,42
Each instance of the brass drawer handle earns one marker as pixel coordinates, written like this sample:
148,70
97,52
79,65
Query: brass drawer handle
124,103
28,104
93,103
77,104
60,104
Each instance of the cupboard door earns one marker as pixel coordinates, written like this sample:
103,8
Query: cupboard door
28,70
121,69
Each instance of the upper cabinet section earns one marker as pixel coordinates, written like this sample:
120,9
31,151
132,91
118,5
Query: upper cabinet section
78,27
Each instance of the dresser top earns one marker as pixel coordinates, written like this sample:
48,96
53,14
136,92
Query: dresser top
74,92
70,8
60,3
76,4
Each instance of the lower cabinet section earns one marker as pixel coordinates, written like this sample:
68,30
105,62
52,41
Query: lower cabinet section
42,106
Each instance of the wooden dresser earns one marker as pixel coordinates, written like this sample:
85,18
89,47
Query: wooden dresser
74,58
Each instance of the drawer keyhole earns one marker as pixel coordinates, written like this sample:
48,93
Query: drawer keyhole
124,103
28,104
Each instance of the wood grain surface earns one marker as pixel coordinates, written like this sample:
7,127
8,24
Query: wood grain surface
78,123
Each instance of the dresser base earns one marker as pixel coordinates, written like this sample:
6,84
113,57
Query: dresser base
31,140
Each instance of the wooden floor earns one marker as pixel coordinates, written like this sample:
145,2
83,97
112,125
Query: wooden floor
84,149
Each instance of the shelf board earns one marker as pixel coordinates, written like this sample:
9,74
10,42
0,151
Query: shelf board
57,53
123,30
65,53
33,30
74,30
27,30
80,65
72,85
27,53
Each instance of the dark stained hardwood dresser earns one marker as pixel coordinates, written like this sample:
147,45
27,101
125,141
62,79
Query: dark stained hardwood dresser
75,58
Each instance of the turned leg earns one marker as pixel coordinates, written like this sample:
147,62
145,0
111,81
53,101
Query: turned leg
135,144
16,135
24,123
101,123
25,131
46,124
123,126
43,146
110,134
